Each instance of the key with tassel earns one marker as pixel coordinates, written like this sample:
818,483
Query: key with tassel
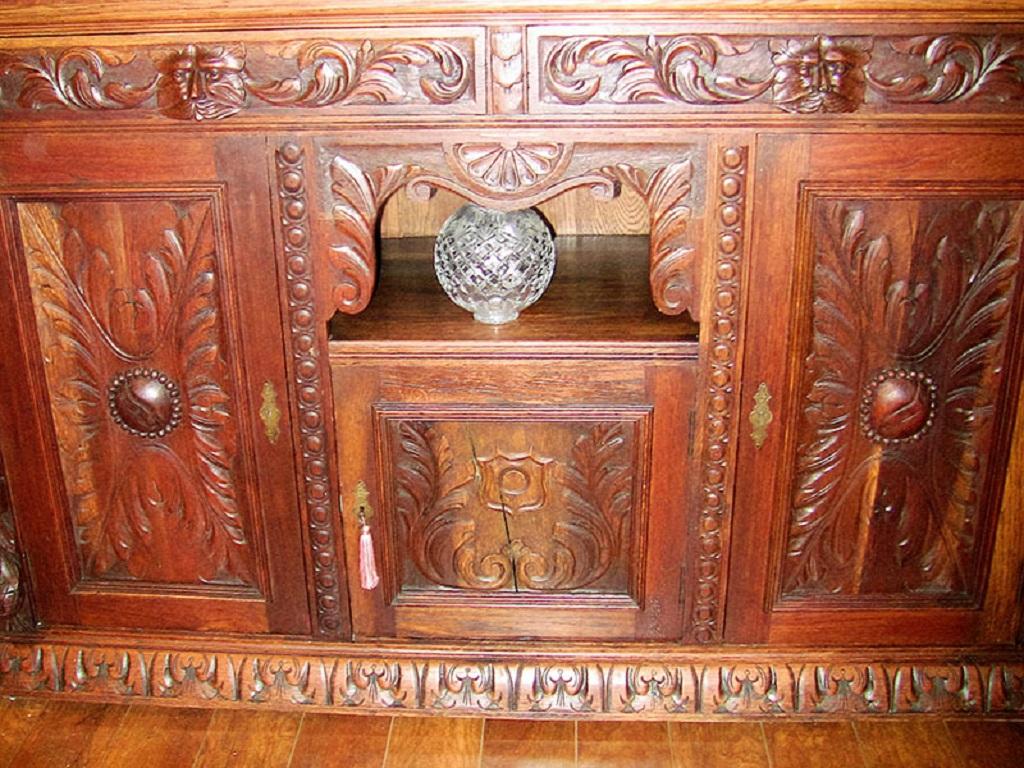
368,576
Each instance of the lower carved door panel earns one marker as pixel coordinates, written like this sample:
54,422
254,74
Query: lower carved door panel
156,487
515,499
890,444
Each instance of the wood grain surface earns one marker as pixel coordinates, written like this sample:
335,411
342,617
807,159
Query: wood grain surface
50,734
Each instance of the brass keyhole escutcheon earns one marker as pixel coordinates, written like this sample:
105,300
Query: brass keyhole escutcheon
761,416
270,413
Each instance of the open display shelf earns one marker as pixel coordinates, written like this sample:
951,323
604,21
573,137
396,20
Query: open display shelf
599,297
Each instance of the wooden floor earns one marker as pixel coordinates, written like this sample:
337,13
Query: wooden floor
37,733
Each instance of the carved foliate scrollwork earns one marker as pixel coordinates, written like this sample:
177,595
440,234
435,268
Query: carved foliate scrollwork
818,74
908,337
679,688
447,536
949,68
171,512
212,82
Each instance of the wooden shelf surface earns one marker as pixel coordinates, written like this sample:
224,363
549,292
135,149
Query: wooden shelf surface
599,295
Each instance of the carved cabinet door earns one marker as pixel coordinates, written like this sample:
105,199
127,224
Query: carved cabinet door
878,499
144,420
514,498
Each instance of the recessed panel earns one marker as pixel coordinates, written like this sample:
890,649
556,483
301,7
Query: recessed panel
898,466
516,505
132,325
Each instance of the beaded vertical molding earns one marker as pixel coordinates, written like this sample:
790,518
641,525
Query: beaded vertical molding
308,373
722,351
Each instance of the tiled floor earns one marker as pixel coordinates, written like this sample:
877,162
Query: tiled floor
57,733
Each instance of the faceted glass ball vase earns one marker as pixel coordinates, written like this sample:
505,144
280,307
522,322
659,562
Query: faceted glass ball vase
494,263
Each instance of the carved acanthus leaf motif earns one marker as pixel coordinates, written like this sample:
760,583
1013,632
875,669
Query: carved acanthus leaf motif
359,197
674,278
684,68
429,500
903,519
335,73
75,78
442,534
169,495
212,82
948,68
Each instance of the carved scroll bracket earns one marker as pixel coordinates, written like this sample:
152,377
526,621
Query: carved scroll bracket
512,175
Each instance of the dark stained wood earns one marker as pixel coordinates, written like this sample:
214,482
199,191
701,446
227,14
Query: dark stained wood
758,451
545,744
624,745
418,742
812,745
986,745
68,732
127,291
521,504
236,739
599,293
718,745
345,741
874,426
924,743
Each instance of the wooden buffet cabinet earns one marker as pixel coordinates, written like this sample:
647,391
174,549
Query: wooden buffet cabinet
754,452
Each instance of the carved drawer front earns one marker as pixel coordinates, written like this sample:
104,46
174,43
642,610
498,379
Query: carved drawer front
160,421
495,516
210,77
783,69
907,358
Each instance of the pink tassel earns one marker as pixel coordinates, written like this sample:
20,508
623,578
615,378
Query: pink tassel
368,578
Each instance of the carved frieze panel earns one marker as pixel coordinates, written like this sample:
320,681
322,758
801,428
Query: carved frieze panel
824,73
898,471
212,80
517,174
127,295
631,686
520,505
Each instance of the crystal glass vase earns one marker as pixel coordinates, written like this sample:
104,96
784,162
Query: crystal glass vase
494,263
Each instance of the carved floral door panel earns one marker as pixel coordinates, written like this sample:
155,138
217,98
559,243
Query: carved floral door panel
895,411
165,484
507,508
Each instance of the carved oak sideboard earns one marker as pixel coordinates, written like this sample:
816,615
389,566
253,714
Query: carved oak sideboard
756,451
